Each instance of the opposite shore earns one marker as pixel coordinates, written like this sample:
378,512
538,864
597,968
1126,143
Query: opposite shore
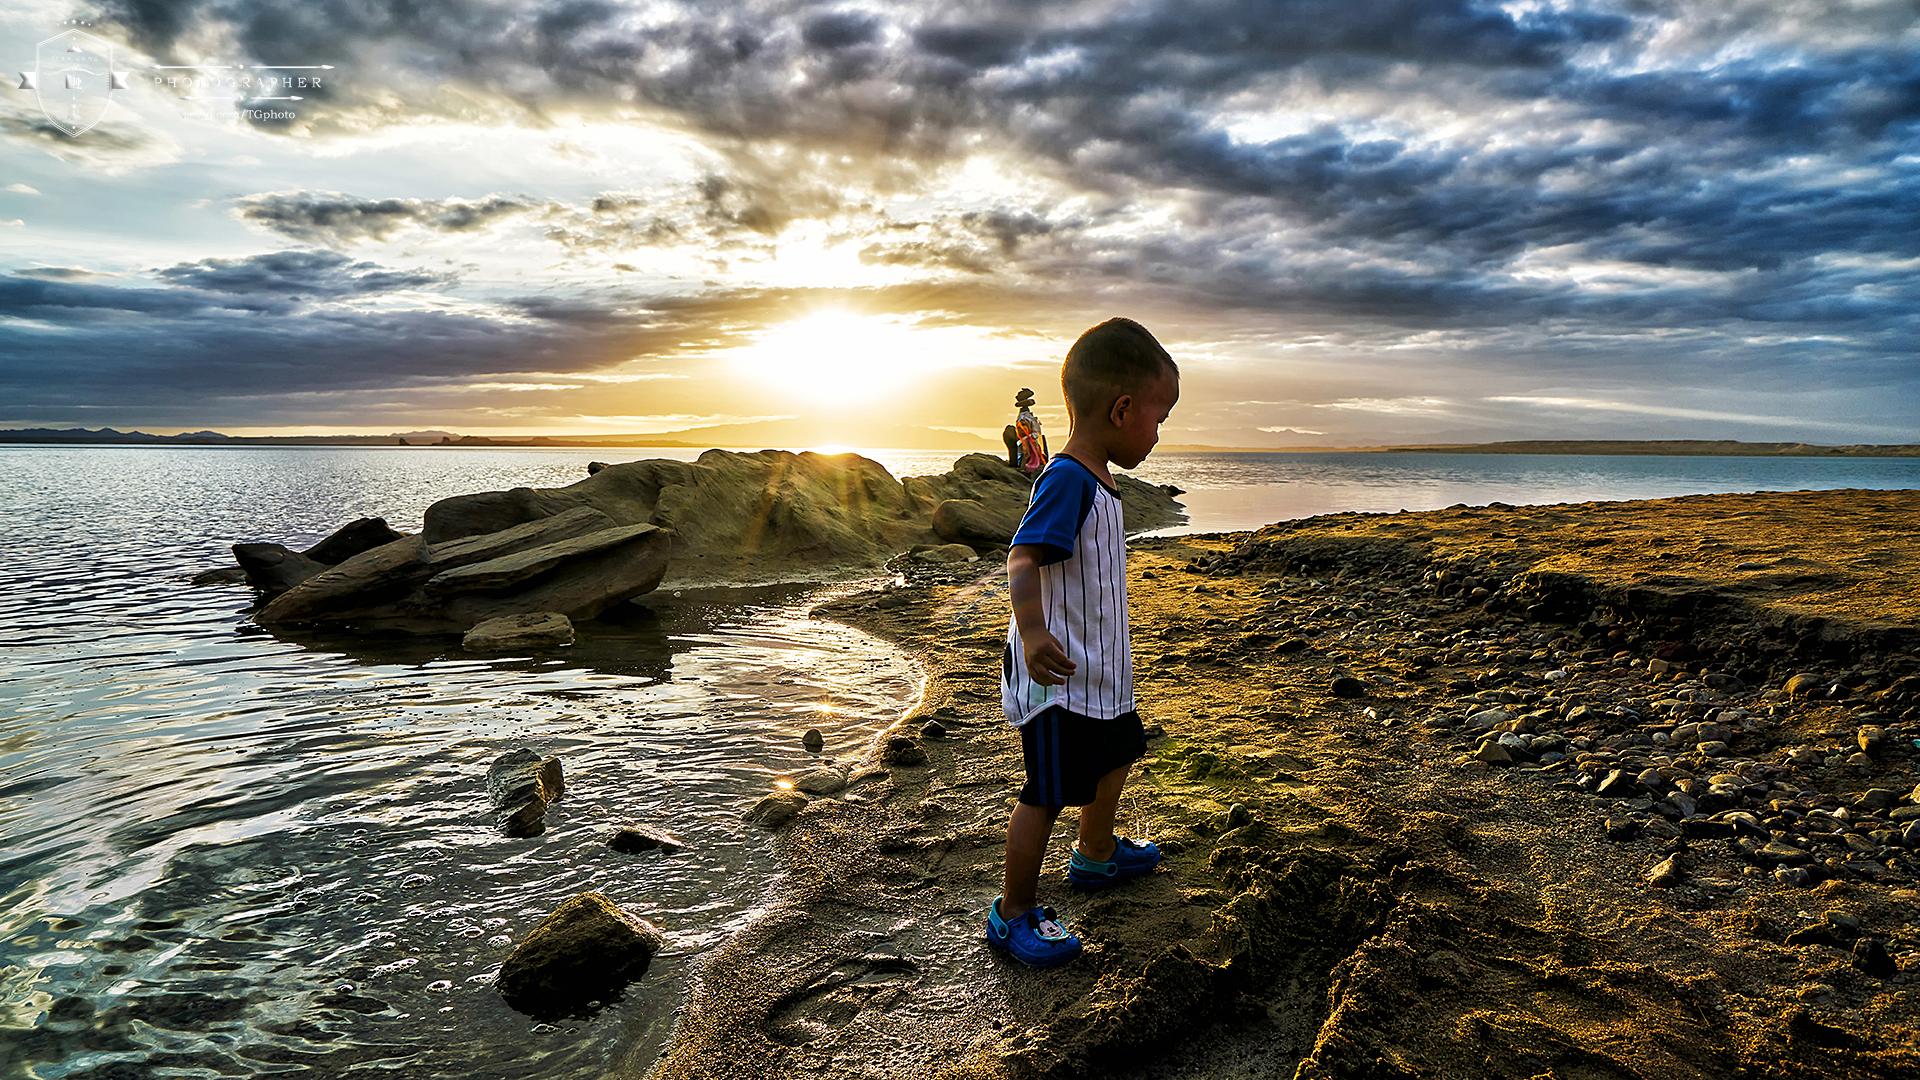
928,439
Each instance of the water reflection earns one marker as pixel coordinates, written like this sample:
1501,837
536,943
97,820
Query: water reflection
237,852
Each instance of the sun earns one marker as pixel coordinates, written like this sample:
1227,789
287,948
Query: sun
834,357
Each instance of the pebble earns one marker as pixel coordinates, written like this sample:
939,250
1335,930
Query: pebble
813,740
1667,873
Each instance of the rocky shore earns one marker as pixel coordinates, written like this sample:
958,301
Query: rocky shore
1598,790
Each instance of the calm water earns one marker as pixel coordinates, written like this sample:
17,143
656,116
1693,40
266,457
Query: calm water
229,854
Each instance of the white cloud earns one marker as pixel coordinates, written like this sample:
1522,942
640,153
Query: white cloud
21,189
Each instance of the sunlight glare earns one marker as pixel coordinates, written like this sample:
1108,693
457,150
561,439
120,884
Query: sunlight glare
835,357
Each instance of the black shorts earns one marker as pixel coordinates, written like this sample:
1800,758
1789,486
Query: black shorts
1066,754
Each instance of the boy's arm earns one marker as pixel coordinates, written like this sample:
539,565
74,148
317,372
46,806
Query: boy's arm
1047,662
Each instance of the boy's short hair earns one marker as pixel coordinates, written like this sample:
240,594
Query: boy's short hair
1117,357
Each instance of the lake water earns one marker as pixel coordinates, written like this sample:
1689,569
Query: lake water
225,853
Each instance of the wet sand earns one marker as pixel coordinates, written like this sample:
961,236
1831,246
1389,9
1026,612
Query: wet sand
1439,869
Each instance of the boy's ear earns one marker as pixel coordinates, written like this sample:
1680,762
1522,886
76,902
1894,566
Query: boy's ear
1117,412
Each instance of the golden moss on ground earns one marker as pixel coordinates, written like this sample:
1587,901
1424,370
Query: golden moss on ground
1348,893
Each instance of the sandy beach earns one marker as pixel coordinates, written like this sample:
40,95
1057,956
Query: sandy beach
1478,792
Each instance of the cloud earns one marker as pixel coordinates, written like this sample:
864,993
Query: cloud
337,220
1580,196
21,189
309,273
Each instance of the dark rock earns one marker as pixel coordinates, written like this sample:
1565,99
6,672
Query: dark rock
1871,957
633,839
943,553
274,569
1348,687
1870,739
595,466
933,729
1617,785
586,950
515,633
1621,828
813,740
1493,753
903,752
520,786
223,575
351,539
1806,685
1779,854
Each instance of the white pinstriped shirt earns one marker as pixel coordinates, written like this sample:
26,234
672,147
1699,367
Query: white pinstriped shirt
1077,520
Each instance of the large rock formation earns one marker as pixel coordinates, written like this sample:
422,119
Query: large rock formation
273,568
577,564
727,518
780,516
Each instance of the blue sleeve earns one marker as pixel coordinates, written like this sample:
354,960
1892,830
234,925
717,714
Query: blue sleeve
1062,498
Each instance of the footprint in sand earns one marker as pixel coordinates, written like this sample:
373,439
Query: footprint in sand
831,1001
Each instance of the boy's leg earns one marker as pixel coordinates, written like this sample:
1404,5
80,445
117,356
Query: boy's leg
1027,836
1097,817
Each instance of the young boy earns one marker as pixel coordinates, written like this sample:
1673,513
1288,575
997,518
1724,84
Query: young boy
1066,677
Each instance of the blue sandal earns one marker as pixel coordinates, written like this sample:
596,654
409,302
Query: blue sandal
1131,859
1035,938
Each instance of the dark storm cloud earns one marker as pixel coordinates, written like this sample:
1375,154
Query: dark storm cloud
335,219
312,273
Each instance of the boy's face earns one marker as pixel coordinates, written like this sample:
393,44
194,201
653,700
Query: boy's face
1137,418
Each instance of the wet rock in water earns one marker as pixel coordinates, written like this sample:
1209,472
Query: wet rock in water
586,950
595,466
904,752
634,839
1348,687
943,553
813,740
520,786
1870,956
825,781
363,534
1668,873
220,575
272,568
513,633
577,563
776,809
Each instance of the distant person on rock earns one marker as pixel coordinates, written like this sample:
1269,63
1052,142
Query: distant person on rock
1066,676
1032,451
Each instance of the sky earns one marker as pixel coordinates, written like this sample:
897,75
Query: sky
1352,222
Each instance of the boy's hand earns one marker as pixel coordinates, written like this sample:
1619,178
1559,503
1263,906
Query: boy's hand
1047,662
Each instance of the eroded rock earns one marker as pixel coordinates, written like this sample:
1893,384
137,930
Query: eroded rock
520,787
586,950
511,633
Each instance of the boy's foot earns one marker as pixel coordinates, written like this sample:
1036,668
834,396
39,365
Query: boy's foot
1130,859
1035,938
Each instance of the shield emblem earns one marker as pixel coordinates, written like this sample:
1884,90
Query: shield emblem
73,78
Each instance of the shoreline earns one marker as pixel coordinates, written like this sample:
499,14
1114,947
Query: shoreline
1353,886
1548,448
